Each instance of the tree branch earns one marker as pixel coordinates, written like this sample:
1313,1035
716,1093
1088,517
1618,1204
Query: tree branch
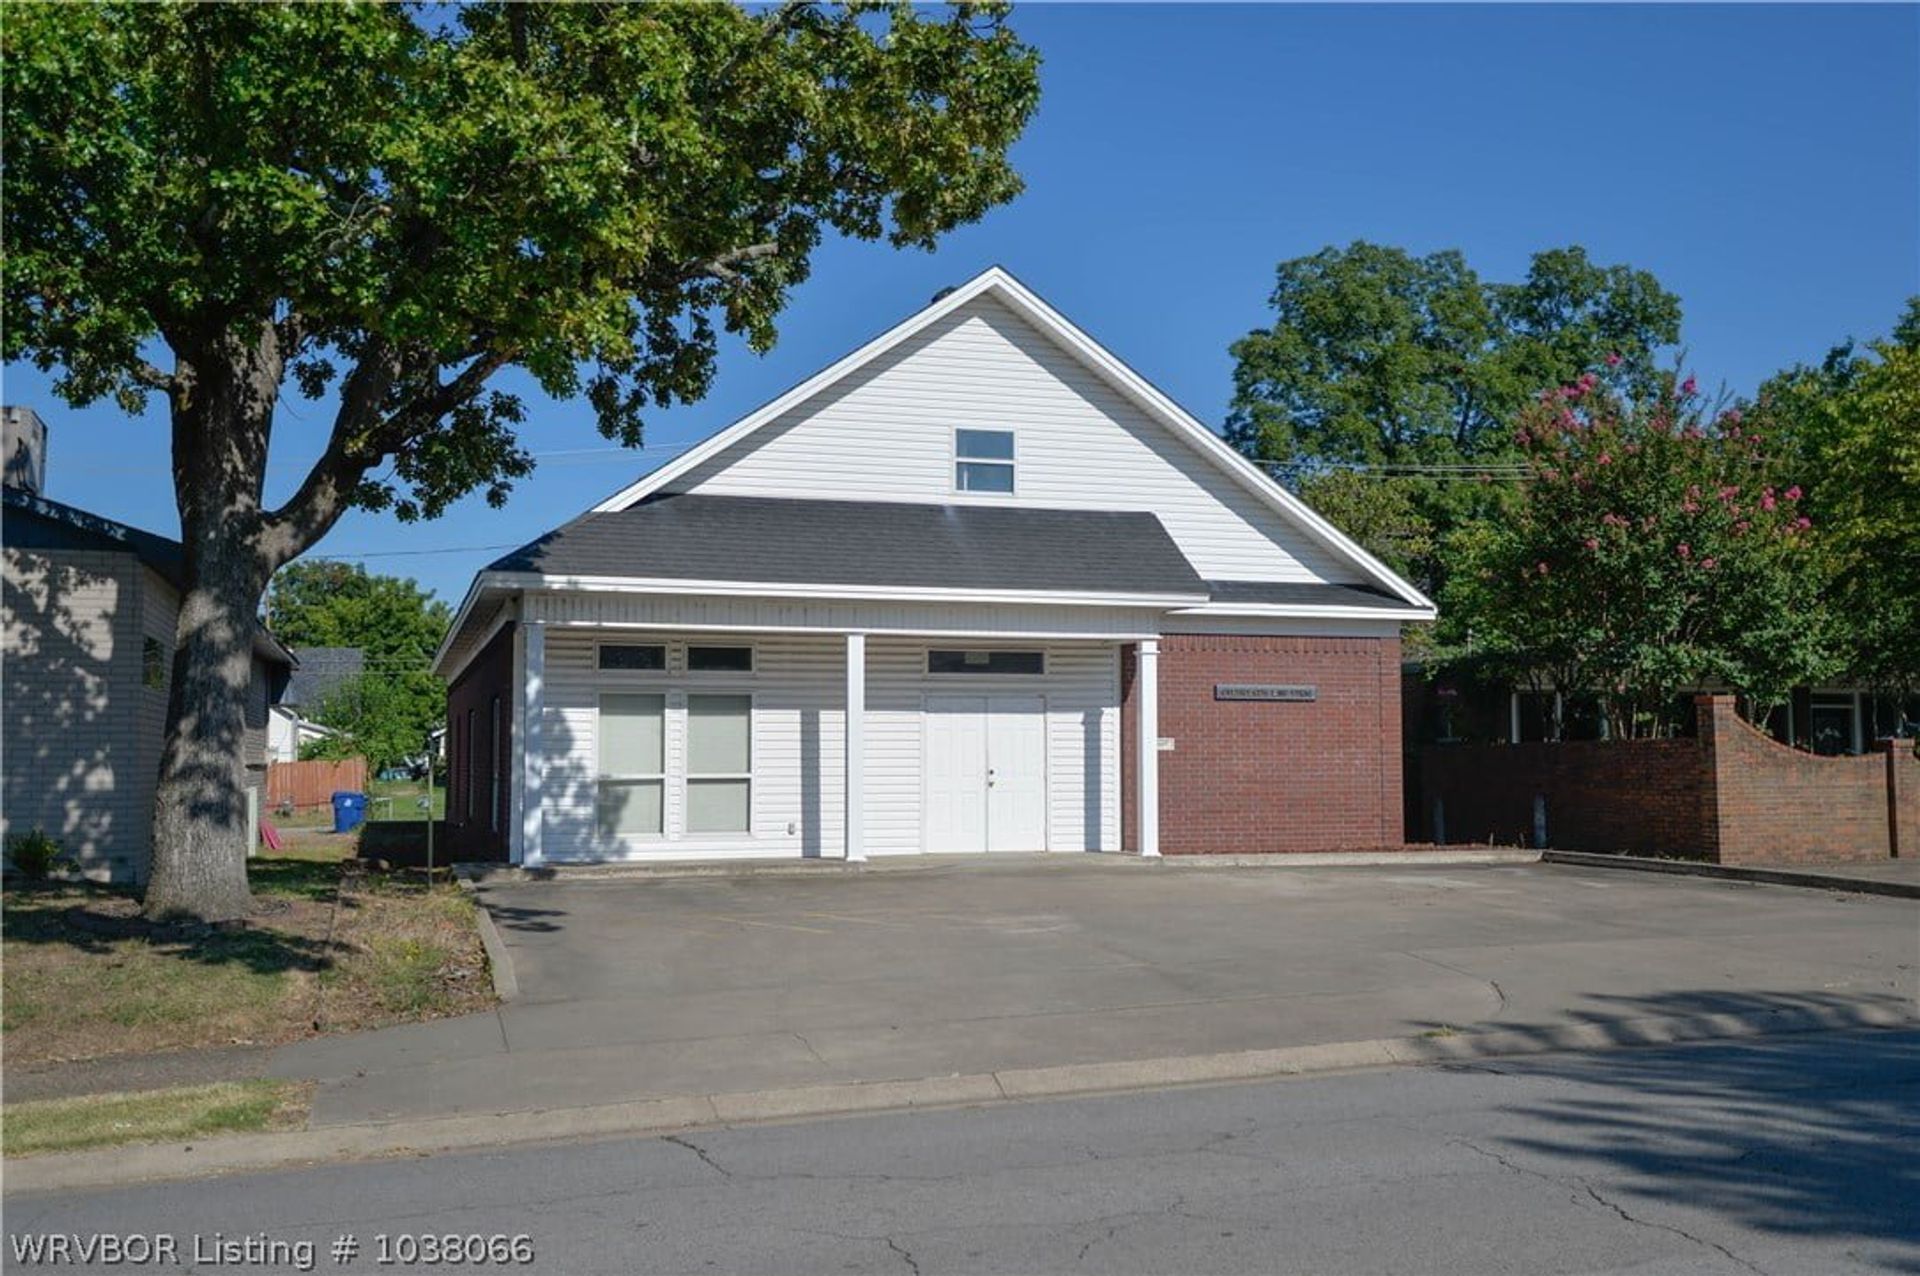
722,267
154,379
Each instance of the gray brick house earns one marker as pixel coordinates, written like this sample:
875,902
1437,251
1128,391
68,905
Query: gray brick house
88,612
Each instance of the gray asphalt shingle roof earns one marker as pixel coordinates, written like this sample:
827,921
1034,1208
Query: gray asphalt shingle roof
866,543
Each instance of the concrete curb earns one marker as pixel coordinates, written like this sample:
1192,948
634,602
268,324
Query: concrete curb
240,1153
1737,873
506,984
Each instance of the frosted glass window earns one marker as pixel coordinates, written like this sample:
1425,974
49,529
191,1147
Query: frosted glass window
718,806
632,784
719,763
631,808
632,735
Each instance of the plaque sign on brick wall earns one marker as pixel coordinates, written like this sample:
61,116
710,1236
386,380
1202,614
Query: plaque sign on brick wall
1264,691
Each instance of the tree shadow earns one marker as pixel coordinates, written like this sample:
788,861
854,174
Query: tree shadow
522,917
1810,1135
99,920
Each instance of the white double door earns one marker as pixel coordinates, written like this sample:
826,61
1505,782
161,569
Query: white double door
986,773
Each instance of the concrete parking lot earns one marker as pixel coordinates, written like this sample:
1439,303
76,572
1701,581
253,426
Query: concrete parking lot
639,988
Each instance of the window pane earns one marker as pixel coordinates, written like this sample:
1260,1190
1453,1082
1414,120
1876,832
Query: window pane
720,659
1019,662
628,807
984,445
631,656
717,806
718,735
981,476
631,735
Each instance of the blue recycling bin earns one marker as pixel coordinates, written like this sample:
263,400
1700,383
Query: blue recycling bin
349,811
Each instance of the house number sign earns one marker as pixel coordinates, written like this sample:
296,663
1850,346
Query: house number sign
1264,691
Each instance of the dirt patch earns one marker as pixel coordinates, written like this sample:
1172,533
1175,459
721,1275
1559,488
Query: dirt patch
327,949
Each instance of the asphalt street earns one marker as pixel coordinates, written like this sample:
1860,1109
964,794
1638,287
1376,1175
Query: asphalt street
1793,1154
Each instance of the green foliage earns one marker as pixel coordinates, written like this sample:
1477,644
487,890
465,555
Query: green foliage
34,854
1382,513
587,191
1651,552
385,714
1377,358
1853,424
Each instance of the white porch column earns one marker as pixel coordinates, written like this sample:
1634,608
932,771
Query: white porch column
856,741
532,756
1149,783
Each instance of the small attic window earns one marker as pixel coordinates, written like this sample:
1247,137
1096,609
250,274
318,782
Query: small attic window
983,461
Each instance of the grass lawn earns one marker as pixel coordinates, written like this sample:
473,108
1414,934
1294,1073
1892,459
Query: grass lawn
323,952
97,1120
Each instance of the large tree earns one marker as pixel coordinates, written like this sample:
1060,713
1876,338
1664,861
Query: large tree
1653,549
397,626
1852,423
385,206
1411,369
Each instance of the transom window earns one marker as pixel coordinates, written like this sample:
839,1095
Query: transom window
720,659
633,770
983,460
630,656
982,661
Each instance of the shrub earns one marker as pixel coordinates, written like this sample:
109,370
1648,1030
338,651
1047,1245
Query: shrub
34,854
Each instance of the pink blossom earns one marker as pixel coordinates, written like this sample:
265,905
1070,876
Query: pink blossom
1593,542
1803,523
1685,550
1613,360
1543,568
1729,492
1708,563
1766,500
1687,387
1733,416
1742,526
1793,493
1605,458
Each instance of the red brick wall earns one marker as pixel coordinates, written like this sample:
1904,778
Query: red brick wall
1650,796
470,753
1731,795
1779,805
1267,776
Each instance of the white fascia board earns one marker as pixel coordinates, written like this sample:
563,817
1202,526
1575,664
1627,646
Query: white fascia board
1402,615
826,592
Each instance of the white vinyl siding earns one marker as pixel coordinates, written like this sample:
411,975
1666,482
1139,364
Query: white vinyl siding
888,433
797,787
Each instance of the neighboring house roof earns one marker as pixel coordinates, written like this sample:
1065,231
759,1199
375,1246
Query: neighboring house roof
999,283
34,522
321,670
764,540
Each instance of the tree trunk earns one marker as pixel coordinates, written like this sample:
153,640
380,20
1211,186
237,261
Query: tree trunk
222,405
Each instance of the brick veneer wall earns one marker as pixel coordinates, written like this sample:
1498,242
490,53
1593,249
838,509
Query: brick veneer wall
1250,776
482,836
1729,795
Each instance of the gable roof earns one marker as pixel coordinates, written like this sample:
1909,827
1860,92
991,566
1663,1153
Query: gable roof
776,541
1000,284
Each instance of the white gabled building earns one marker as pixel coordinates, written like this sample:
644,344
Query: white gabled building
977,586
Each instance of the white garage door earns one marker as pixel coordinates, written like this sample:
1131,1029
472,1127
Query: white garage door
986,773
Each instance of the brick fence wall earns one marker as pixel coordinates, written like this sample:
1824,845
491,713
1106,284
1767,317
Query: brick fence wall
1730,795
1260,776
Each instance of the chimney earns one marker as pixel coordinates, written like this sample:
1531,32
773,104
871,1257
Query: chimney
23,449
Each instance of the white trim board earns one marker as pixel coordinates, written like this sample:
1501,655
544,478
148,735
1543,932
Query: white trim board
1004,287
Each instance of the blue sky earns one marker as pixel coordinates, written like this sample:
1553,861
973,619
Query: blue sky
1764,162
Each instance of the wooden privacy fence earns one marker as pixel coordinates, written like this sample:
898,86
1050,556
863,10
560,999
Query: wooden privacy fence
299,784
